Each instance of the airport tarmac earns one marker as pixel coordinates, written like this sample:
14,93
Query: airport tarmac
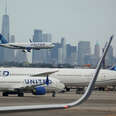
99,104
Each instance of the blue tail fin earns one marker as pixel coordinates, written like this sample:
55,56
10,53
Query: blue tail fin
2,39
47,80
113,68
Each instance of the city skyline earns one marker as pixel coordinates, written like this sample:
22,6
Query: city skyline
75,20
61,54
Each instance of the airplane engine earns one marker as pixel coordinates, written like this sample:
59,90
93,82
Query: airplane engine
39,91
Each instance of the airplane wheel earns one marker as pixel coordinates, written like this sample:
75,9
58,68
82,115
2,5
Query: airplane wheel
4,94
54,94
67,89
101,88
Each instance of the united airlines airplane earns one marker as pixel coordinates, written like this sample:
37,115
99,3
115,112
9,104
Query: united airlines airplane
14,80
61,106
25,46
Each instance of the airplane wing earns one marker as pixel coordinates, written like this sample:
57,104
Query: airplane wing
45,73
66,105
17,46
12,46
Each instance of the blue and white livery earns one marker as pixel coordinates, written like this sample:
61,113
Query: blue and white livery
25,46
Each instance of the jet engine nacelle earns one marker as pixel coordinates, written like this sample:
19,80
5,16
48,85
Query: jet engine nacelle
39,91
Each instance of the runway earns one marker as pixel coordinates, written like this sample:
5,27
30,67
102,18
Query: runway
99,104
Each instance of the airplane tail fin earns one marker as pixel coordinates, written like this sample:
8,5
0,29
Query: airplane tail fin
47,80
2,39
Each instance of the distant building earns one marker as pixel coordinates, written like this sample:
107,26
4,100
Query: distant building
36,54
55,53
109,59
84,50
71,54
46,53
87,59
68,53
97,50
21,57
46,37
11,51
5,26
63,45
95,58
60,53
5,31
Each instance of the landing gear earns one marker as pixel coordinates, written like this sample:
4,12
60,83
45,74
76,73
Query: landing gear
67,89
23,51
4,94
54,94
21,94
80,91
101,89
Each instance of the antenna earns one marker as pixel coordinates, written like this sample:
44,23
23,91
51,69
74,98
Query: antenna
6,7
0,6
0,13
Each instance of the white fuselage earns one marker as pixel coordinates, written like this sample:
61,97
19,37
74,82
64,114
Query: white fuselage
12,78
32,45
81,77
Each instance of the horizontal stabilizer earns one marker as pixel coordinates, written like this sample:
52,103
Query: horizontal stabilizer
113,68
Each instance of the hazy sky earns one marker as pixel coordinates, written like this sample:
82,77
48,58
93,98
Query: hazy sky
76,20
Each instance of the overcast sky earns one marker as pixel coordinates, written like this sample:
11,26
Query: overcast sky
76,20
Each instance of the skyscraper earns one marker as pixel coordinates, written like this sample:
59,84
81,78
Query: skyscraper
5,26
60,53
71,54
11,51
55,53
109,57
36,54
84,50
21,57
46,53
97,50
96,56
63,45
5,31
46,37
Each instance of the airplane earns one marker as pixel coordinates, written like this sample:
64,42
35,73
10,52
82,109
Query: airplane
82,99
12,82
25,46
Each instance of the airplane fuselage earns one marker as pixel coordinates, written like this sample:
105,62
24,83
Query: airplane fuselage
32,45
22,77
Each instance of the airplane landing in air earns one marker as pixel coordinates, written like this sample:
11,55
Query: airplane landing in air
25,46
